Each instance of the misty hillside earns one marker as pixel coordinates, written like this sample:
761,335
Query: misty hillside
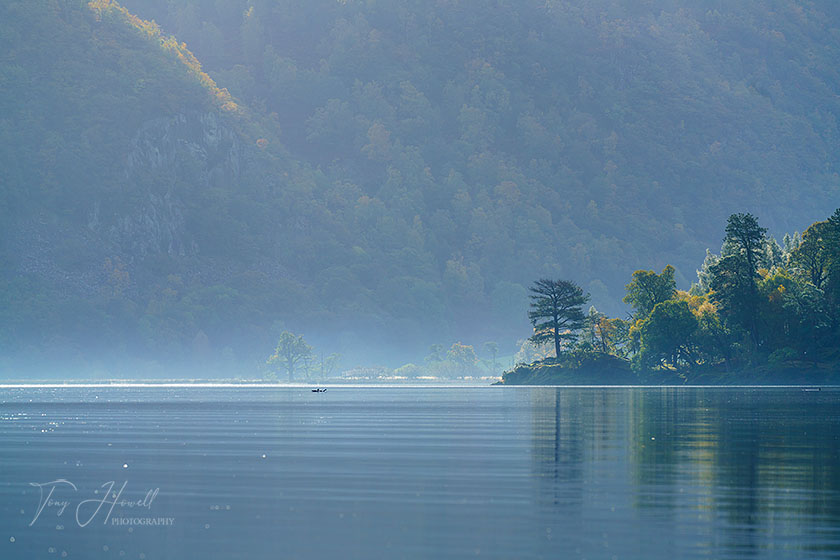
385,174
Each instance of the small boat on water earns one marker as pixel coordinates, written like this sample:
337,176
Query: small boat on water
319,390
812,389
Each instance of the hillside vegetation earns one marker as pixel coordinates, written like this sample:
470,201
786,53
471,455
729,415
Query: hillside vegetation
384,174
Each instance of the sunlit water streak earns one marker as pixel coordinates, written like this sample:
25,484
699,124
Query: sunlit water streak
257,472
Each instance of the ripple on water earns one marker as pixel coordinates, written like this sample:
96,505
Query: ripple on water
428,472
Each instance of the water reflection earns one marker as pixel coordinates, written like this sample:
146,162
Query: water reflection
431,473
730,472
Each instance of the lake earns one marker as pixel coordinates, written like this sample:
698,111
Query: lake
419,472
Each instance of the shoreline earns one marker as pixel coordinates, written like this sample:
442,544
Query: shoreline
608,370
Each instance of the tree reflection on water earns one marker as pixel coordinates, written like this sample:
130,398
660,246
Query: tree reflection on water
743,470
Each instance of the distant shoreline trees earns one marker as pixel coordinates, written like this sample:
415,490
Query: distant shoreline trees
291,350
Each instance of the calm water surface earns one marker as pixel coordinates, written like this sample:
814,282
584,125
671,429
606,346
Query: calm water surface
382,472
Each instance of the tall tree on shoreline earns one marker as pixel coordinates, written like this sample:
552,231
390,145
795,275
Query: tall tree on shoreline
734,277
291,349
743,231
556,311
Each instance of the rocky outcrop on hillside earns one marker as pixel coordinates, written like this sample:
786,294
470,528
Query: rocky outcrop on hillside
169,159
204,138
145,213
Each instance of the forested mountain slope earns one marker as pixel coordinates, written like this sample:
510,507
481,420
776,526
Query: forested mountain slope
572,138
133,199
399,167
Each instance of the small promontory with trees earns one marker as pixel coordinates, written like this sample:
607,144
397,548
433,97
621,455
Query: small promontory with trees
759,313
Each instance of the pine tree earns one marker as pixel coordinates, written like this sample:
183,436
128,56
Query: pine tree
556,311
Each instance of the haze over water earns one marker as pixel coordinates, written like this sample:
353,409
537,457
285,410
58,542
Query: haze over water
408,472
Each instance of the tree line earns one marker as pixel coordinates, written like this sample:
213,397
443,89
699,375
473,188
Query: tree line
756,303
294,359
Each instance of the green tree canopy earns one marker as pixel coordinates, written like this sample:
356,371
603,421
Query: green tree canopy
648,288
666,335
746,237
291,350
813,256
734,276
